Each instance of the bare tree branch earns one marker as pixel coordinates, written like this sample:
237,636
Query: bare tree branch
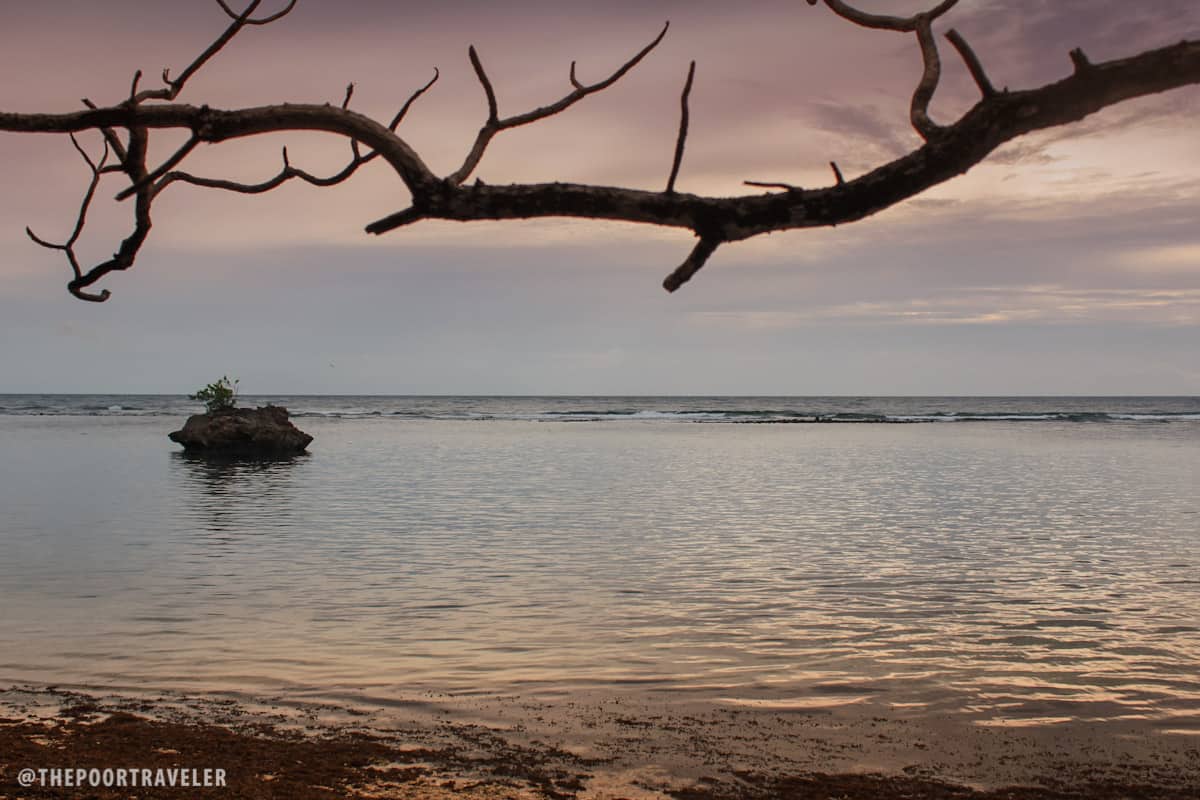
922,25
132,157
972,61
495,124
948,151
919,111
882,22
692,264
215,125
68,247
774,185
110,136
960,146
396,120
175,86
178,156
1080,60
398,220
683,129
264,21
288,172
134,165
133,85
493,112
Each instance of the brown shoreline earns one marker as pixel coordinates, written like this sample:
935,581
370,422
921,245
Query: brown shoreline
626,751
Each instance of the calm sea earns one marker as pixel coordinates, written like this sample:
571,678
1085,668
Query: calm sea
1012,559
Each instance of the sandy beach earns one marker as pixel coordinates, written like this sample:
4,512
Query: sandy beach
614,746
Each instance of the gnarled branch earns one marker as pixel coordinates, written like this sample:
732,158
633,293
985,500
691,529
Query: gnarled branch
922,25
134,165
68,247
919,111
991,122
883,22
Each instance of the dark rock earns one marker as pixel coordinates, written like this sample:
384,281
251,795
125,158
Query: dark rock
243,432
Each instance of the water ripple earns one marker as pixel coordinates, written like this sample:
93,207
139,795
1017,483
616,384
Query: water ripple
1001,572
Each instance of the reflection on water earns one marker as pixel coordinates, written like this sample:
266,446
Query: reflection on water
1006,573
220,489
220,470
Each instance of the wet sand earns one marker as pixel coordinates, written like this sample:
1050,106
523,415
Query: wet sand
599,745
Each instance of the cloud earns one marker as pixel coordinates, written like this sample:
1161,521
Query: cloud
1029,42
1164,258
1043,305
863,124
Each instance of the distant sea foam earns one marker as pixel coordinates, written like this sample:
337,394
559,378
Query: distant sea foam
726,410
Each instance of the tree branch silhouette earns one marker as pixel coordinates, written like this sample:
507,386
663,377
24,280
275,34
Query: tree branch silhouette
949,149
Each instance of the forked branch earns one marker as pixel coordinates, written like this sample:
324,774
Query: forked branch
68,247
245,19
495,124
175,85
288,171
883,22
922,25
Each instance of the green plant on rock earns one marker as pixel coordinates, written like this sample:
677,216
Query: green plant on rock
218,395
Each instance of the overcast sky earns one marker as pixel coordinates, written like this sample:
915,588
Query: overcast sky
1068,263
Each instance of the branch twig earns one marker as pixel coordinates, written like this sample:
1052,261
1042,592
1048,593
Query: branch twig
923,94
692,264
175,86
972,61
264,21
1080,60
922,25
495,124
773,185
883,22
68,247
178,156
396,120
358,159
683,128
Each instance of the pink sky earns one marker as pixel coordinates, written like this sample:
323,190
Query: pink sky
1067,263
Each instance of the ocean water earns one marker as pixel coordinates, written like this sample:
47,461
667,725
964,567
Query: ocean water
1007,559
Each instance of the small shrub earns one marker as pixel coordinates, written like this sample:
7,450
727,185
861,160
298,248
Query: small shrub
218,395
